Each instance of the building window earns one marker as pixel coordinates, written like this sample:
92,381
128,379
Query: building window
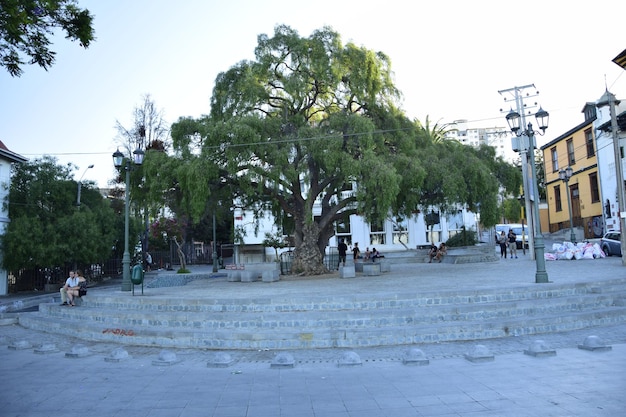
342,230
555,159
593,186
570,152
400,231
589,141
557,198
377,233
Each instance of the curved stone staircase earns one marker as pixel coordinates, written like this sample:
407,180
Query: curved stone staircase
346,320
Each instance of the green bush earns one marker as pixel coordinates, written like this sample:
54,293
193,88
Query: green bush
464,238
183,271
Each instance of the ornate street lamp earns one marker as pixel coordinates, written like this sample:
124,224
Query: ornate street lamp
565,175
118,161
513,119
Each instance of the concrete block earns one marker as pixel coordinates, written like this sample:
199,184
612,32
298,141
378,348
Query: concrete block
166,358
249,276
479,353
595,344
539,348
221,360
415,356
78,351
117,355
385,266
271,276
347,272
371,269
358,266
350,359
234,276
283,360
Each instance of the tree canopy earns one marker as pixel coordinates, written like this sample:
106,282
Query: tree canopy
315,123
27,25
47,229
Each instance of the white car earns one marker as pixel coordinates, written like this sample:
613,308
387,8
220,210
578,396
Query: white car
520,238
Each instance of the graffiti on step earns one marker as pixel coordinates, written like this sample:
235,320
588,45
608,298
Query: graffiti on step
120,332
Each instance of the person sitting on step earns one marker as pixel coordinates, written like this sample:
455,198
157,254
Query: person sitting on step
432,252
441,251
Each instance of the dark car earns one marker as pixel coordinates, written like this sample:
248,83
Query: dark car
611,244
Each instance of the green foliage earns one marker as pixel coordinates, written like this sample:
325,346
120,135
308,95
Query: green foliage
512,210
163,230
183,271
46,228
26,25
464,238
301,124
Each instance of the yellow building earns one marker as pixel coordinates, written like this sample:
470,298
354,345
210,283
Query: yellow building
574,153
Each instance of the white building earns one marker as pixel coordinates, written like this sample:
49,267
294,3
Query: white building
606,158
6,159
497,137
395,234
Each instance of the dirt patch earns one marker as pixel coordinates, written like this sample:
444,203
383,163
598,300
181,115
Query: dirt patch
330,275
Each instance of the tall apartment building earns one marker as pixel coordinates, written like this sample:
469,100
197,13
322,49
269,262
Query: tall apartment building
498,137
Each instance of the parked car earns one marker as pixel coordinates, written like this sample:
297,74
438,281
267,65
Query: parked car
611,244
517,229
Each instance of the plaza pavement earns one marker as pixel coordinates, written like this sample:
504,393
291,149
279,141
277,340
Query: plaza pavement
153,382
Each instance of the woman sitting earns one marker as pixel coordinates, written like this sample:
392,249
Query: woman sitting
73,292
432,253
441,251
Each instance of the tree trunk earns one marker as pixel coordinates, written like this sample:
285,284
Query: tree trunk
181,255
308,259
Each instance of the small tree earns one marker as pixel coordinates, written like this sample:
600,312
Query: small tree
275,241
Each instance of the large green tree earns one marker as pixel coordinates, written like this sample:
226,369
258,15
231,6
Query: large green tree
47,229
312,130
27,25
298,126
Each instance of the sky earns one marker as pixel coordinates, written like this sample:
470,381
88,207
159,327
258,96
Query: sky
449,57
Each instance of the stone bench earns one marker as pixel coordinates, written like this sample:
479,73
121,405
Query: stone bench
270,276
371,269
253,276
385,265
347,271
250,276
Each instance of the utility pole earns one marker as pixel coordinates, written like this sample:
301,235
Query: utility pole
521,144
619,174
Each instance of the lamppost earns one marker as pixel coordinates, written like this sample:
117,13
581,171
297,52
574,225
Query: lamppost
118,161
80,181
513,119
215,267
565,175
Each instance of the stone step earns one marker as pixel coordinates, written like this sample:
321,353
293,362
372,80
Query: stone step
328,337
354,302
377,316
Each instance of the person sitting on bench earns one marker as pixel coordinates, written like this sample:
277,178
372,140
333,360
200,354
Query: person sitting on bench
441,251
375,255
432,252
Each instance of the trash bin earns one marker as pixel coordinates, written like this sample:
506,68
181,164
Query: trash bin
286,259
136,277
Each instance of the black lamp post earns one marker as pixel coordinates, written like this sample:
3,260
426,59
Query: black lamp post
118,161
513,119
565,175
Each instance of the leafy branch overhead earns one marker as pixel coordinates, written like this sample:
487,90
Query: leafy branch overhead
26,27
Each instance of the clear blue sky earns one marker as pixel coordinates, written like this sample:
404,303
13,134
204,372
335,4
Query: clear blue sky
450,58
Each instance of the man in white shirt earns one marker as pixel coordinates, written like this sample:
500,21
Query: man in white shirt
71,282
